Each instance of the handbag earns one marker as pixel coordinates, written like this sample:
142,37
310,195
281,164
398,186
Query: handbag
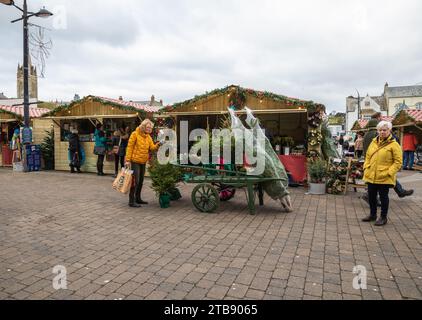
117,148
99,150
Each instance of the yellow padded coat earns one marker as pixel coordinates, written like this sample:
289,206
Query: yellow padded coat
381,166
139,146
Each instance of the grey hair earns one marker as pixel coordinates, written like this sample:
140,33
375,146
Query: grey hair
383,124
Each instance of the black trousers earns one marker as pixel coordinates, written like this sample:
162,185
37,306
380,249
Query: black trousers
100,163
138,175
72,156
116,162
382,190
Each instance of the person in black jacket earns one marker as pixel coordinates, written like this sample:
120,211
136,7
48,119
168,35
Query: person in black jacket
75,151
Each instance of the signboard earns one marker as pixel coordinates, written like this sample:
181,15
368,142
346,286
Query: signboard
27,135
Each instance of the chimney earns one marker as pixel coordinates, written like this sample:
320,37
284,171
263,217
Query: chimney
152,100
120,98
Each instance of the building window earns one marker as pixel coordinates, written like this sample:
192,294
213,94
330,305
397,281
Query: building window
367,103
418,106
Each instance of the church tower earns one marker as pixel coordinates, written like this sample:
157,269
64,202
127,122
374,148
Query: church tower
33,81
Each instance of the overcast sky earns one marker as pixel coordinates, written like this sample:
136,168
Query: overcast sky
317,50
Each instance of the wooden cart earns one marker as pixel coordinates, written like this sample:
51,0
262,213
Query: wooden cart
212,181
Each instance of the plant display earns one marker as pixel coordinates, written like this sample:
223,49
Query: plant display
317,171
315,138
337,172
287,142
315,119
47,150
164,177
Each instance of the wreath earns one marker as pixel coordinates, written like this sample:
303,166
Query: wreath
237,99
315,119
313,155
315,137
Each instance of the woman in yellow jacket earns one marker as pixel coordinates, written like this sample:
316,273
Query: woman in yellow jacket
137,154
382,162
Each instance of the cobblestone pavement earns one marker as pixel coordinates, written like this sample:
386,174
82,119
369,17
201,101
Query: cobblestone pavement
112,251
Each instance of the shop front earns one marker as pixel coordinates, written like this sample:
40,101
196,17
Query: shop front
285,120
11,121
83,115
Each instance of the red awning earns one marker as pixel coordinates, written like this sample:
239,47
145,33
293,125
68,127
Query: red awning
18,110
135,105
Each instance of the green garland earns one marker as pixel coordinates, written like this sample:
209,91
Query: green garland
240,92
95,99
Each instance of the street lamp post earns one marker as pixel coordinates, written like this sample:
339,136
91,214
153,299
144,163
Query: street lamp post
43,13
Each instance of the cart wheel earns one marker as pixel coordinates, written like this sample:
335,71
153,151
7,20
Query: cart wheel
205,198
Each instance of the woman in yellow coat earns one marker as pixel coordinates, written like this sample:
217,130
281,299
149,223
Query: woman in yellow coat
137,155
382,162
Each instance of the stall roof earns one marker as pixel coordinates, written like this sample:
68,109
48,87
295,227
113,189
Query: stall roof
18,111
139,106
415,114
408,117
120,104
300,104
363,122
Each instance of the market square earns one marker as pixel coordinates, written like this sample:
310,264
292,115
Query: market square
200,151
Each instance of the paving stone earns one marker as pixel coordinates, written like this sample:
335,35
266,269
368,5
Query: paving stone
113,252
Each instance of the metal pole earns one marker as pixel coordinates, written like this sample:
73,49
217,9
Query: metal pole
25,66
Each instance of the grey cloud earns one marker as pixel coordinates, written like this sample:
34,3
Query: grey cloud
317,50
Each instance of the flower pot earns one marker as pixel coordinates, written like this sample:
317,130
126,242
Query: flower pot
317,188
164,200
286,151
277,149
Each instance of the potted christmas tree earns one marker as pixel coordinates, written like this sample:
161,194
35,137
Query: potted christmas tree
165,178
317,170
287,143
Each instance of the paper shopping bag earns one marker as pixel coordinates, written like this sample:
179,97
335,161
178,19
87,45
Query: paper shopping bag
123,182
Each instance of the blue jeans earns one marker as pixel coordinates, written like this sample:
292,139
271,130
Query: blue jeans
408,156
398,188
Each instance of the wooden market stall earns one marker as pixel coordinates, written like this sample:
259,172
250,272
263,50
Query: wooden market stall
285,120
408,120
11,118
83,115
361,124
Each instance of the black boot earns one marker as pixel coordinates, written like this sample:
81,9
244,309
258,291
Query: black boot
140,201
381,221
406,193
369,218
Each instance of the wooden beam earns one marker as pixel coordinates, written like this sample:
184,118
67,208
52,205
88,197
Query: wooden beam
108,116
205,113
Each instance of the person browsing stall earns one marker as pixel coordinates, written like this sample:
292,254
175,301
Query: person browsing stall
137,155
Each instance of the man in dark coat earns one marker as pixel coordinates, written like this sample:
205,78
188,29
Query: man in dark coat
75,151
367,139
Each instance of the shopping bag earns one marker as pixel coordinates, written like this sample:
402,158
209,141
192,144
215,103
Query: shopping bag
123,182
98,150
